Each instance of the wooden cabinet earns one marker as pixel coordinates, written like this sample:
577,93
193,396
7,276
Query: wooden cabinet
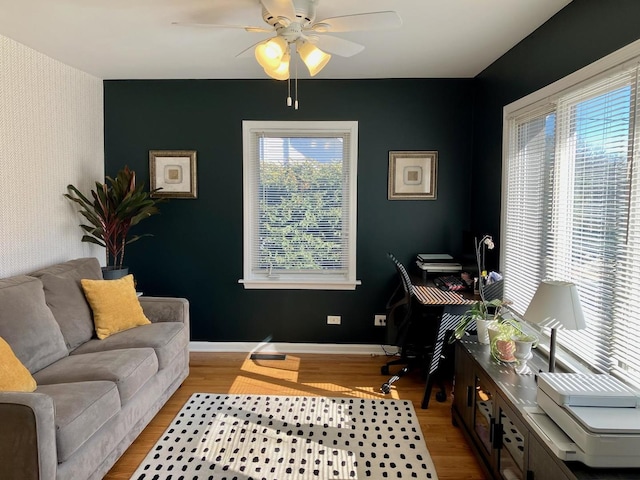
541,463
496,433
488,405
463,389
511,440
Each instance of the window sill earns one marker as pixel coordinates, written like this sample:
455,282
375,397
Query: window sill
298,285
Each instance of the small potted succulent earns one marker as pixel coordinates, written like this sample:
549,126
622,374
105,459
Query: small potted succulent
501,339
112,209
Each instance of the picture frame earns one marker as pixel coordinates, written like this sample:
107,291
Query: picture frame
174,172
413,175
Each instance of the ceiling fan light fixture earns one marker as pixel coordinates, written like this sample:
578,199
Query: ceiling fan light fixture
281,72
270,52
314,58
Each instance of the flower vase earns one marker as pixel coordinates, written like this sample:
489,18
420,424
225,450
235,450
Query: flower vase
482,327
523,346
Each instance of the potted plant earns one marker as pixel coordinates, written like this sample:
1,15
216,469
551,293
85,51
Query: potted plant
501,339
484,313
115,206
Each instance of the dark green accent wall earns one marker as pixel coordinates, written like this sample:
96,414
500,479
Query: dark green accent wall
197,248
581,33
196,251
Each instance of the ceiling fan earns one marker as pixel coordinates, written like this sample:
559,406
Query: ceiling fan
297,31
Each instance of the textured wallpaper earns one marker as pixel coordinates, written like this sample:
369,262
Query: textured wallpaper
51,134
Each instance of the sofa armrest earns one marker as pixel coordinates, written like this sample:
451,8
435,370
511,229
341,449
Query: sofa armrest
28,436
166,309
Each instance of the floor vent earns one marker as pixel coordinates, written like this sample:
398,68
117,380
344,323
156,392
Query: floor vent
268,356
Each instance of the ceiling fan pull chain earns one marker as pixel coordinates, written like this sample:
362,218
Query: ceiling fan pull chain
296,87
289,91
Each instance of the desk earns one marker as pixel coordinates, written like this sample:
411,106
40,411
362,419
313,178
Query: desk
428,295
448,319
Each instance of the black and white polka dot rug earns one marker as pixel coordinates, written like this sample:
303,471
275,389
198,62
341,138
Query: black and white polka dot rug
271,437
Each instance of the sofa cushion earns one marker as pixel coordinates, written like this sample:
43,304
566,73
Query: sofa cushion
78,268
27,324
115,305
166,338
129,369
14,377
80,410
65,298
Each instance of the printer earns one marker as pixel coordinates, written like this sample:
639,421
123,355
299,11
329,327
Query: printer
591,418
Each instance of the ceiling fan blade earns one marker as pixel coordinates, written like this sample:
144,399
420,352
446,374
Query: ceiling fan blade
359,22
338,46
280,8
248,28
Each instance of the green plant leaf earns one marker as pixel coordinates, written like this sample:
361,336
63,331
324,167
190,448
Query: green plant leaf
111,210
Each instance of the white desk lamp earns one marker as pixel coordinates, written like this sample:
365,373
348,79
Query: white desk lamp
556,304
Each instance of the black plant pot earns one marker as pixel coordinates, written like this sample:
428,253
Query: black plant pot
114,273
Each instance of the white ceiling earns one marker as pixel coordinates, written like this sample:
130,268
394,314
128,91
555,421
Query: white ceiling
134,39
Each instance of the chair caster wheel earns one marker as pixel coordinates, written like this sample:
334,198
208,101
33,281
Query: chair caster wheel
384,370
441,396
386,388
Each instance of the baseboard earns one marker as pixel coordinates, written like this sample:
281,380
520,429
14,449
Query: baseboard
268,347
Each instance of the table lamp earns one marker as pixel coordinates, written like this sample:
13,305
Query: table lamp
555,304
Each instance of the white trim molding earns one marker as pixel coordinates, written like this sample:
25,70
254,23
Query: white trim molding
267,347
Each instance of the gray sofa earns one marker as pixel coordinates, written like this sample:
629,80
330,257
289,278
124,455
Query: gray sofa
93,397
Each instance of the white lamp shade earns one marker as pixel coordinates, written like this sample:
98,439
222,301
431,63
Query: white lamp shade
281,72
556,304
270,52
314,58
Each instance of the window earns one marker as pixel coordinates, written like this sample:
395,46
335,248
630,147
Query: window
571,207
300,205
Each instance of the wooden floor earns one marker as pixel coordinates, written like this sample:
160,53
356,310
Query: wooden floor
317,375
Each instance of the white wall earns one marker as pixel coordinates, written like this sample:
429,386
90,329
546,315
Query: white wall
51,134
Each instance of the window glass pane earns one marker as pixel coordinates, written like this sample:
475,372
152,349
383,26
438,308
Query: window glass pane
591,208
528,188
301,204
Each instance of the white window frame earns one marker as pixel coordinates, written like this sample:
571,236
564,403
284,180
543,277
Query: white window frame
251,130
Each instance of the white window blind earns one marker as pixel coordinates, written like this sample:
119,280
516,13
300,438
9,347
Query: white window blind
300,204
571,211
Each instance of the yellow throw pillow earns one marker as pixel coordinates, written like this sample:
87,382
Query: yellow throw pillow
115,305
14,376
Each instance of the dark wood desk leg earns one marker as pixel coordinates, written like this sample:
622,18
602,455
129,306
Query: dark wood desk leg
427,392
428,381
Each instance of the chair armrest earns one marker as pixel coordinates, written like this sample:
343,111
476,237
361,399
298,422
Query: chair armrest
166,309
28,436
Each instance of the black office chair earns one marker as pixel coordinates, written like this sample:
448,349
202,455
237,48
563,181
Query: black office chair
408,328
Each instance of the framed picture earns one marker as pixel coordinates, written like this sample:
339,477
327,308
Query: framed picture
413,175
174,171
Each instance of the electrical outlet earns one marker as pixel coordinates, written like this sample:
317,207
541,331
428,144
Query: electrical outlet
333,319
380,320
